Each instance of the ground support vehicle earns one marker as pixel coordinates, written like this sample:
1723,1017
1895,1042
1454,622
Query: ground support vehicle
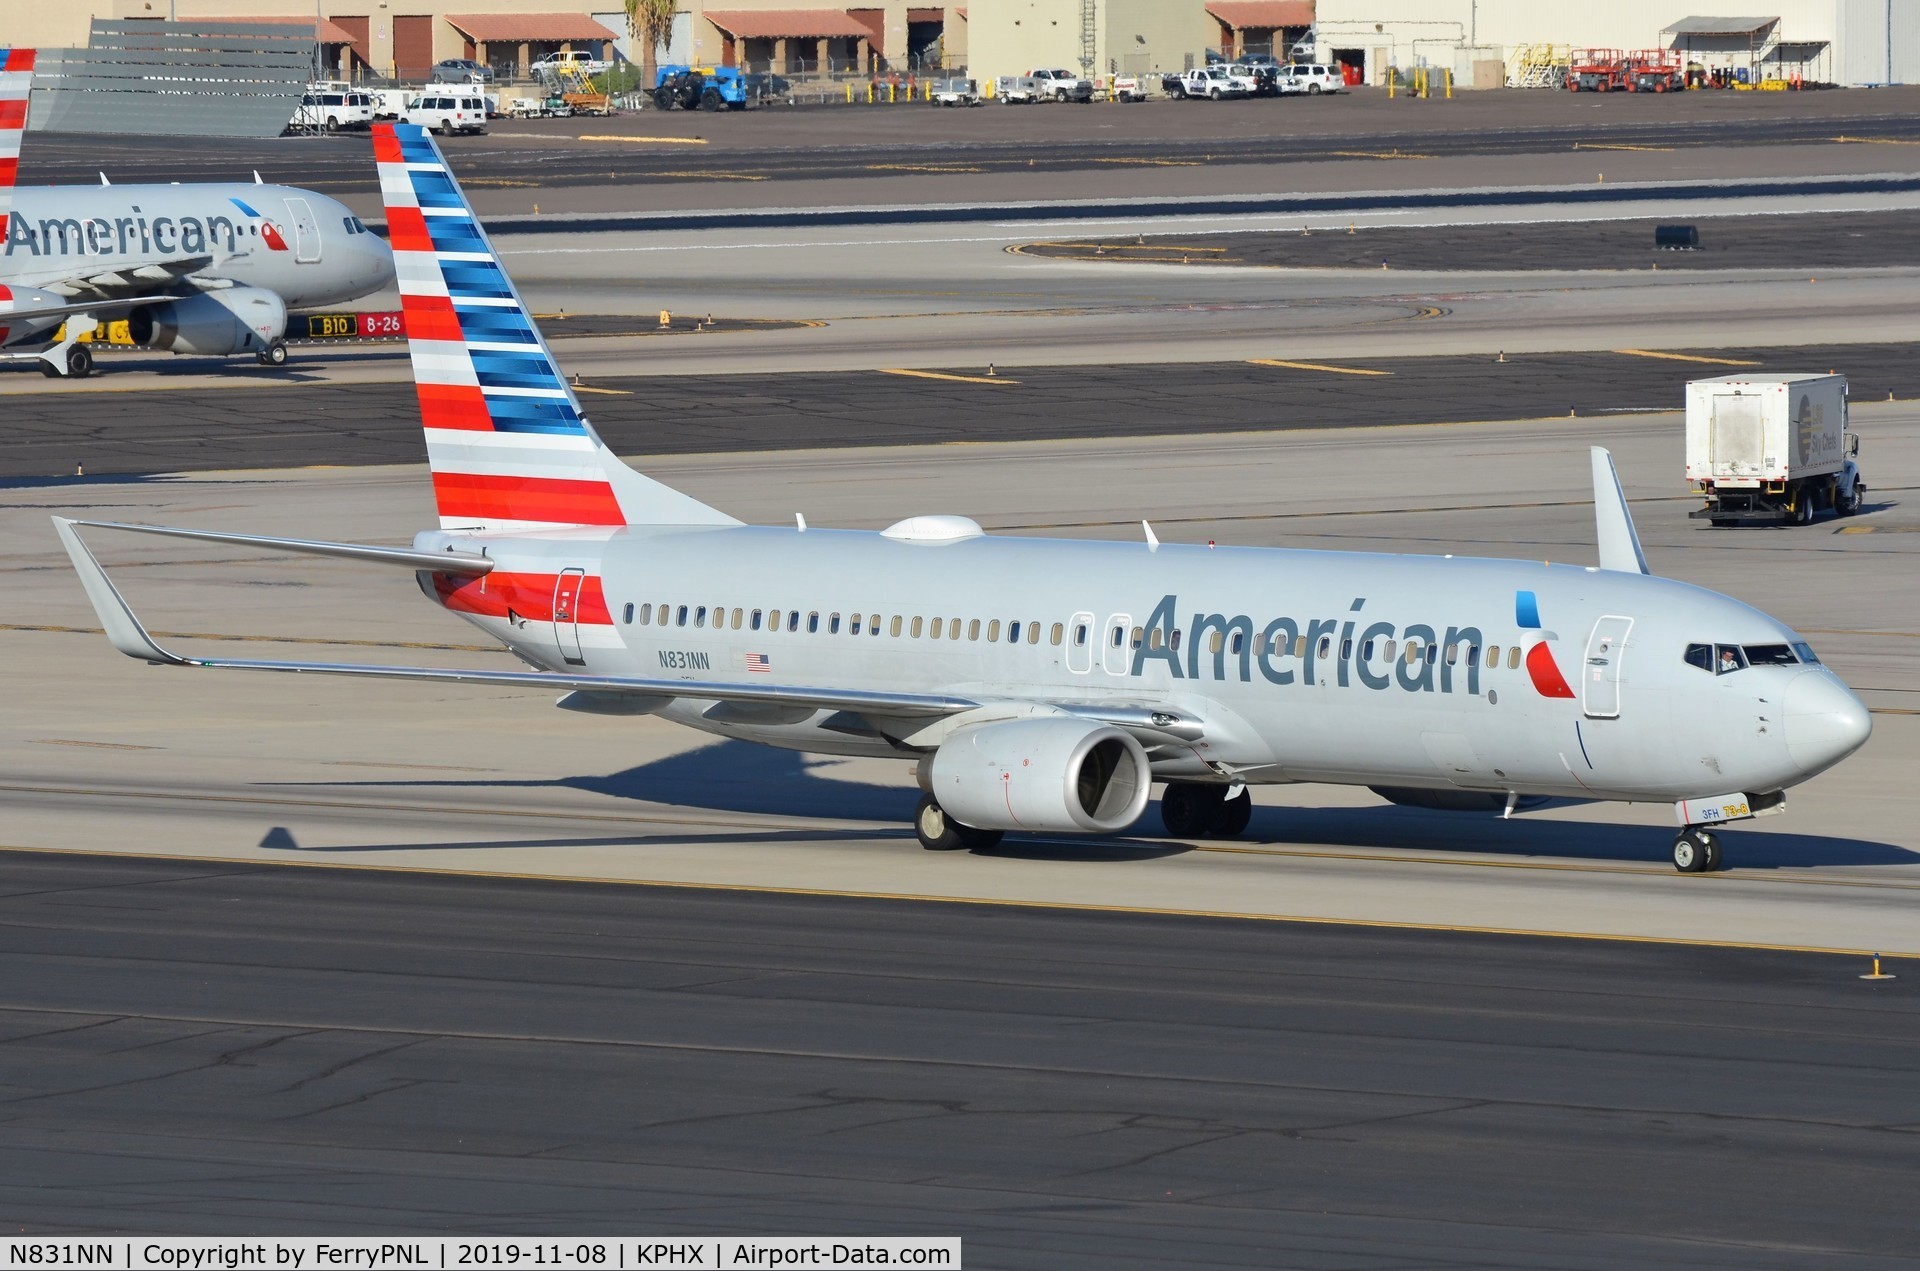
1060,86
1016,90
391,103
699,88
1257,81
1133,88
1655,71
1210,82
1771,448
954,92
1597,71
550,107
578,60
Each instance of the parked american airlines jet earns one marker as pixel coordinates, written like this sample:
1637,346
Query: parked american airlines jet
1044,685
201,269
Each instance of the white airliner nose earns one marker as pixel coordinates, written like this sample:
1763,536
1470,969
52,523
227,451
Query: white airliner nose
1825,721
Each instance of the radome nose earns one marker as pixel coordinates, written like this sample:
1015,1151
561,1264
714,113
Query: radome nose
1825,721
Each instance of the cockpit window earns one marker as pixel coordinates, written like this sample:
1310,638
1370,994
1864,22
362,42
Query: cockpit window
1806,653
1727,658
1700,655
1770,655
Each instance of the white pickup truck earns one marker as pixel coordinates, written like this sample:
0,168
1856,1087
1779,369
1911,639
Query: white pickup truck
1211,82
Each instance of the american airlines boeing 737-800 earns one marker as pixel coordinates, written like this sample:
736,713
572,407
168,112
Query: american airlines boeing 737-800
198,269
1045,685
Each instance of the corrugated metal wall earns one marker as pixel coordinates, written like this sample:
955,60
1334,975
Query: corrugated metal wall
239,79
1879,42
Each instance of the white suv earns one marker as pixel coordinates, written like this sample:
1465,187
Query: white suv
448,108
1312,77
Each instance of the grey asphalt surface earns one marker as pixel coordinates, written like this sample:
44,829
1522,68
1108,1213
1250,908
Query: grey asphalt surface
223,1049
1856,240
316,422
874,143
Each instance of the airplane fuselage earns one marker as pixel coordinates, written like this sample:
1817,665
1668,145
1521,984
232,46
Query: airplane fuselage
307,248
1441,673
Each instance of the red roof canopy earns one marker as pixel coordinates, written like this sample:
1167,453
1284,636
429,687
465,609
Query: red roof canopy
533,28
331,32
1254,14
780,24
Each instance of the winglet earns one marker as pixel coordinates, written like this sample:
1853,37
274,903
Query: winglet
1619,544
123,628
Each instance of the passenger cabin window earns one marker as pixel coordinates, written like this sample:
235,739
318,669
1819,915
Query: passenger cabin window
754,621
700,616
1013,632
993,630
1060,631
914,628
1033,633
853,624
629,615
813,623
1513,658
833,624
793,619
681,617
933,629
873,625
737,616
1493,656
1079,635
973,629
893,628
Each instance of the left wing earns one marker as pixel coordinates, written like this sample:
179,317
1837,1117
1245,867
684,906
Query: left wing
1153,724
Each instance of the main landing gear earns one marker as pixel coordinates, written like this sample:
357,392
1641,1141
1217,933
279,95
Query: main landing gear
1696,851
939,832
1190,809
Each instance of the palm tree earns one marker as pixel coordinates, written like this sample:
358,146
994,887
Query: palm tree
650,23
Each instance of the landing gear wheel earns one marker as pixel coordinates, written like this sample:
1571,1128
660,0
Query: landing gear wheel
1713,852
1191,810
939,832
274,354
1695,852
1232,817
79,362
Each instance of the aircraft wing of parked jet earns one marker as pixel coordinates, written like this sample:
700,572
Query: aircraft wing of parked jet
1042,684
200,269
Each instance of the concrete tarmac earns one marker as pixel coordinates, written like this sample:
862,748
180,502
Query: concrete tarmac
101,753
243,1049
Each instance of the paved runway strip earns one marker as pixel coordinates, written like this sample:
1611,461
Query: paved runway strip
227,1049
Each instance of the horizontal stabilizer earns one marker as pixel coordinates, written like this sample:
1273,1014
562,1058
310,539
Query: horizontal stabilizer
448,562
1619,543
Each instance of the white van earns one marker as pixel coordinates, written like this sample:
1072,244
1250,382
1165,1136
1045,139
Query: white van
448,108
333,110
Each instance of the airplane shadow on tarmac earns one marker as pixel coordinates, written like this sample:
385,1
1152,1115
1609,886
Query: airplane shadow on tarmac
741,777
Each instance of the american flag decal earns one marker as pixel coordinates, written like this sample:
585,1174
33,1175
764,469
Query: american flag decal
758,662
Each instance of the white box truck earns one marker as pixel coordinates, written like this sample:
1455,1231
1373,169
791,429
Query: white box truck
1769,448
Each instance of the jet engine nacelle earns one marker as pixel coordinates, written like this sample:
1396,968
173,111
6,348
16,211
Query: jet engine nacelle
17,305
211,323
1056,773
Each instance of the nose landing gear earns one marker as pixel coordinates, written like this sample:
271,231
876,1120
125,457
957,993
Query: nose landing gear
1696,851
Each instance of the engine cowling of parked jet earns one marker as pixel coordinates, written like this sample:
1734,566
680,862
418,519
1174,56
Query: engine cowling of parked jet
1059,773
1456,800
211,323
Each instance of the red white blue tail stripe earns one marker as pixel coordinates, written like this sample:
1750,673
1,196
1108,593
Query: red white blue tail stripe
506,440
16,80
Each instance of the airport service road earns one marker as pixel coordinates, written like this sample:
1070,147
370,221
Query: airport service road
306,418
221,1049
99,753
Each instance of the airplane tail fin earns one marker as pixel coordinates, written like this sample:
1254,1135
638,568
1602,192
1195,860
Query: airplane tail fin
507,442
16,80
1613,523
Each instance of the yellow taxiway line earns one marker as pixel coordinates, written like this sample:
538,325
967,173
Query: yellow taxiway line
1313,366
1685,357
652,141
941,375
